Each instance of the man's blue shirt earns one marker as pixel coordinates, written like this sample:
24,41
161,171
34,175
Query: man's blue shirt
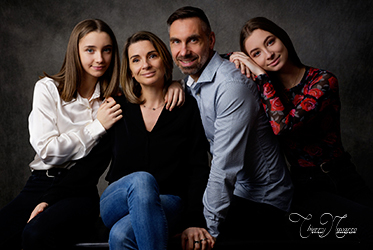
246,159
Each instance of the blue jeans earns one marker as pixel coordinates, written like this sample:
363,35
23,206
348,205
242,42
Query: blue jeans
137,215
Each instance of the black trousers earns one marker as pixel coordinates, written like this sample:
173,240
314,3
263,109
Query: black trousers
336,200
250,221
58,227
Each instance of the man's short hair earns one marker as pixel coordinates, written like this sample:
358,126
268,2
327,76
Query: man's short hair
189,12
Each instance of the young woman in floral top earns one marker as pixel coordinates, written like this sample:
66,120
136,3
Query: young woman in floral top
303,106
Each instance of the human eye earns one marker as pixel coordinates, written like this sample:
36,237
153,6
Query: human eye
89,50
107,50
271,42
194,40
135,60
153,55
255,54
175,41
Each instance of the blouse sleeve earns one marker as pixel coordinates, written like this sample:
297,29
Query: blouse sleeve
287,115
56,145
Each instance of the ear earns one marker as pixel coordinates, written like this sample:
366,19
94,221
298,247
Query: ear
212,40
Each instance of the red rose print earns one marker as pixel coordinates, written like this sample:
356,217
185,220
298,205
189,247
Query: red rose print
331,138
316,93
308,104
337,153
268,90
292,112
333,83
297,99
276,104
275,127
304,163
318,79
287,120
313,150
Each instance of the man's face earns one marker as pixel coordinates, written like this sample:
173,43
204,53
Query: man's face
190,45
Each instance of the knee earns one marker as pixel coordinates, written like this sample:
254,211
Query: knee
32,237
143,179
144,188
122,237
144,184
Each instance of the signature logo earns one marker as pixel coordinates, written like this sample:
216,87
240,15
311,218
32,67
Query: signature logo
327,224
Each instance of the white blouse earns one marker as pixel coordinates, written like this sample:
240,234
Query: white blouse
62,132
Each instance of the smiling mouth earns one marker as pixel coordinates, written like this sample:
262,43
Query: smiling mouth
274,62
187,62
98,68
148,74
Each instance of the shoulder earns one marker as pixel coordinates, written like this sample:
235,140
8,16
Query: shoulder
228,74
47,82
231,81
46,85
320,77
190,104
122,100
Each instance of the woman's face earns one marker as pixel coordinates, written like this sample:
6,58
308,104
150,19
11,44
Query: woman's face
145,63
266,50
95,52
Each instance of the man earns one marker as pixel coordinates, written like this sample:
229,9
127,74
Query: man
248,173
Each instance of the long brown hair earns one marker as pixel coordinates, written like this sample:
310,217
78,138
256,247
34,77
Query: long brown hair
130,86
267,25
70,74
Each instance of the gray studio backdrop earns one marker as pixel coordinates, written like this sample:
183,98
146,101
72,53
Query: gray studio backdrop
333,34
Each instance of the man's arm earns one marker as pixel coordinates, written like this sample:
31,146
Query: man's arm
236,111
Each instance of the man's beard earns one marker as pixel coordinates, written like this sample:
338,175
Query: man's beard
195,68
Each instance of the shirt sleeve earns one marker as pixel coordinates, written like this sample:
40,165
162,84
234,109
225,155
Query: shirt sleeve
286,115
54,146
236,105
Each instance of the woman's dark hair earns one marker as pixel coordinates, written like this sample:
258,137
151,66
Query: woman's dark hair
267,25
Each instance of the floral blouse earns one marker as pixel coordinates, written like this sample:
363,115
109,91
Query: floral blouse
306,117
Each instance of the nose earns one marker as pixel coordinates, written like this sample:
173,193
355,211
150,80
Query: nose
184,50
270,54
146,64
99,57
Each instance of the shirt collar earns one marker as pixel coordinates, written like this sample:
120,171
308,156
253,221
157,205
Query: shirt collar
208,73
96,95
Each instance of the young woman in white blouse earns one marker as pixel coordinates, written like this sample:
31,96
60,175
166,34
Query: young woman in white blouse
71,112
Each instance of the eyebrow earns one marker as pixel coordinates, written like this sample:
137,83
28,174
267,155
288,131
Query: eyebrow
194,36
93,46
265,41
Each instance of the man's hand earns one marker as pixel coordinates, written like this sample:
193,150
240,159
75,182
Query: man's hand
197,238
